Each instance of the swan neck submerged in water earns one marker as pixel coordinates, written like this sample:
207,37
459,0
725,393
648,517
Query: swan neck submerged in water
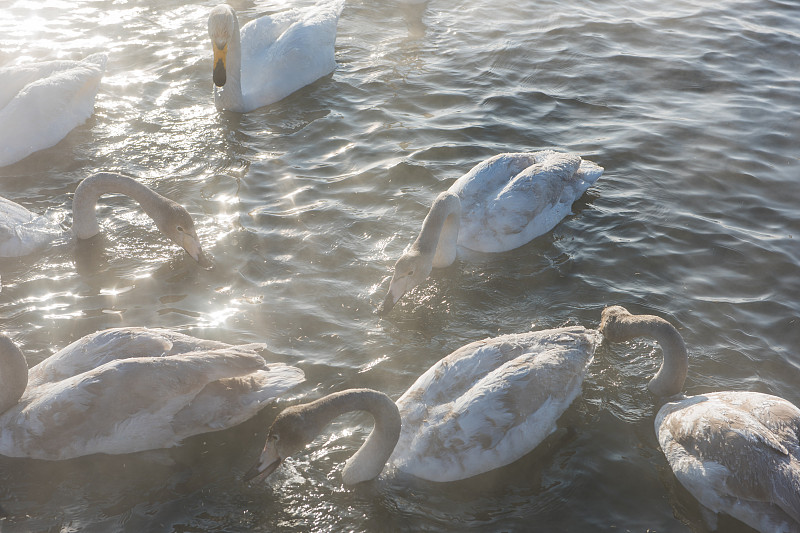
223,29
298,425
619,325
434,247
13,374
170,217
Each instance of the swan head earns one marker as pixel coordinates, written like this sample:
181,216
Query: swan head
297,426
176,223
612,323
292,430
411,269
222,27
13,374
617,324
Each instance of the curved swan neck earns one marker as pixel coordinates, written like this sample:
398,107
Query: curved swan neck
618,325
13,374
367,463
89,191
439,233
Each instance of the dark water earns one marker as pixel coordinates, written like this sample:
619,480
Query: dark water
693,108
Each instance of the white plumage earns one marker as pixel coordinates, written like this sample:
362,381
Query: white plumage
482,407
509,199
41,102
490,402
272,56
23,232
131,389
736,452
501,204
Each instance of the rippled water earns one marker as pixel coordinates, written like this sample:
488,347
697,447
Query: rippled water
692,108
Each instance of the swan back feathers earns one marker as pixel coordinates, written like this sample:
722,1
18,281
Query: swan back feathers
41,103
490,402
132,389
736,452
510,199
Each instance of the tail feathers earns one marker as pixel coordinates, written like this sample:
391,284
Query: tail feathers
787,488
589,172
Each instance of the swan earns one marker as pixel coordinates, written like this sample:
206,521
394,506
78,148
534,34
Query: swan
736,452
23,232
501,204
130,389
275,55
41,102
482,407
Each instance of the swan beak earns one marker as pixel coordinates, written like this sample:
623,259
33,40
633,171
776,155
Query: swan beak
259,470
387,304
193,248
220,55
269,461
397,288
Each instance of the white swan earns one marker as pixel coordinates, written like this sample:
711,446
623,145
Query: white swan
736,452
130,389
22,232
41,102
483,406
501,204
275,55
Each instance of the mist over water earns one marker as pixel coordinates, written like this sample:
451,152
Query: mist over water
692,108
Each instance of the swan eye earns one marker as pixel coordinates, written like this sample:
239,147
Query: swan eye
180,228
410,273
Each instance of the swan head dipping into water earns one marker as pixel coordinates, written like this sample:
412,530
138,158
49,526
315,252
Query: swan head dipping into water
617,324
435,246
502,203
736,452
481,407
171,218
297,426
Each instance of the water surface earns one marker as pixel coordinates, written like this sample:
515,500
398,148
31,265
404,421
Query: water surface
691,107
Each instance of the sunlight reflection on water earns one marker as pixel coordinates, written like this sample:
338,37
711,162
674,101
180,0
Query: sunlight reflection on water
306,204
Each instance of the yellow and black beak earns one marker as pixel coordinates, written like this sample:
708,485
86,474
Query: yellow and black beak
220,53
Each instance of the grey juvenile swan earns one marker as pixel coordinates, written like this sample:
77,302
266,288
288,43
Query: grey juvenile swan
736,452
126,390
502,203
23,232
482,407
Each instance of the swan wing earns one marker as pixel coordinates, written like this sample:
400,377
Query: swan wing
490,403
289,51
142,403
102,347
22,232
489,176
261,33
227,402
723,450
45,102
514,198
